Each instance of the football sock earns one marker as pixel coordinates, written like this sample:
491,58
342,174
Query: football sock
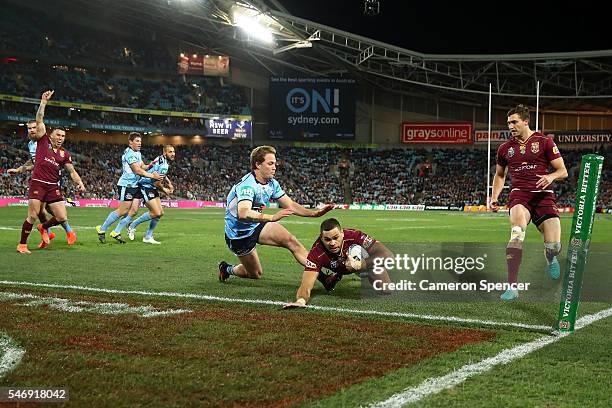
66,226
122,224
513,258
112,217
26,228
50,223
143,218
152,225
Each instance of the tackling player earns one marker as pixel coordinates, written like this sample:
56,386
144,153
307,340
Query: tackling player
133,169
246,225
330,251
149,190
527,156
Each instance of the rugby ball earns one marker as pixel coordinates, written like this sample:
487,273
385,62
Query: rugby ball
357,252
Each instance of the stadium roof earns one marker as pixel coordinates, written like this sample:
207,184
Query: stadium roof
568,81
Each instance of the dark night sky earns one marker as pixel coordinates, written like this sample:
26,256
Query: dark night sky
462,27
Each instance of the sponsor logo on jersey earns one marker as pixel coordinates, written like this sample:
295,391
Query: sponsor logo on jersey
247,191
310,264
61,153
367,242
511,152
333,264
555,150
535,147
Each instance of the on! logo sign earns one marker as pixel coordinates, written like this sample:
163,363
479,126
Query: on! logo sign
427,132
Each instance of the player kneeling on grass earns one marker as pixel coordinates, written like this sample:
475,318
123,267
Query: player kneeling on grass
332,250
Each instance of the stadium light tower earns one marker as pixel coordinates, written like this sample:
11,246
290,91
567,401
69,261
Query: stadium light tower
371,7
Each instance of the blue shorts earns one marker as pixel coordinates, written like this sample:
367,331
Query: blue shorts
129,193
148,193
244,246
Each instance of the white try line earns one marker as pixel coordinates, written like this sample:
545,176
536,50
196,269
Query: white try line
451,319
434,385
10,354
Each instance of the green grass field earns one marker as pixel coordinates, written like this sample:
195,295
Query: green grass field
233,345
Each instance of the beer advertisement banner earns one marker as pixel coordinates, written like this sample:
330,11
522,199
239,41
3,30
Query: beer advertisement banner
437,132
229,129
497,136
312,109
582,136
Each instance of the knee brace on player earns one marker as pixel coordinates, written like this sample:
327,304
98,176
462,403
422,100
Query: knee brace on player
517,235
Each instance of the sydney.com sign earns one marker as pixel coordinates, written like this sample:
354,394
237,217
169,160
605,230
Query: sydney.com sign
315,109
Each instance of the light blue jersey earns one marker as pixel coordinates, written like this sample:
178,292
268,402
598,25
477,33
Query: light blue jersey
128,177
248,188
161,166
32,149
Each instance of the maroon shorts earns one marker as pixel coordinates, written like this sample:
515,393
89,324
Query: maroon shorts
541,206
47,193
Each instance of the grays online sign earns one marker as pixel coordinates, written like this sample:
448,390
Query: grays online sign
316,109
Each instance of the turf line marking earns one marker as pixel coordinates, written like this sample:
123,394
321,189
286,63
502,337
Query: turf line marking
11,354
452,319
436,384
70,306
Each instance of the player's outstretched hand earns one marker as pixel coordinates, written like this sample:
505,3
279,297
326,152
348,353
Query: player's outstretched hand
157,176
324,210
13,171
298,303
82,187
544,181
285,212
46,96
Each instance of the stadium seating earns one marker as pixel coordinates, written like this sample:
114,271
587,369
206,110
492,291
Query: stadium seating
309,175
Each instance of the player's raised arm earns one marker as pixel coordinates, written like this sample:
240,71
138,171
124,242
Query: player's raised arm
75,176
137,169
40,115
287,203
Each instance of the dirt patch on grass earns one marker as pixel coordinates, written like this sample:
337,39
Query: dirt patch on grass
219,354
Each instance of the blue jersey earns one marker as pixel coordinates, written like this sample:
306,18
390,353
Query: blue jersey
161,166
248,188
32,148
128,177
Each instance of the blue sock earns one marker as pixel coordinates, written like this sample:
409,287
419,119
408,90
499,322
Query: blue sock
230,269
143,218
110,220
66,226
124,222
152,226
48,231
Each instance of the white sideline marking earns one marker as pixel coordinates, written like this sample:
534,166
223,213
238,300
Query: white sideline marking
436,384
11,354
67,305
279,303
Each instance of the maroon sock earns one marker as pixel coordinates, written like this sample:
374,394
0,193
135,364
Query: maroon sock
50,223
26,228
513,258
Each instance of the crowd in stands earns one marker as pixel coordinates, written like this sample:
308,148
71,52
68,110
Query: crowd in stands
308,175
100,86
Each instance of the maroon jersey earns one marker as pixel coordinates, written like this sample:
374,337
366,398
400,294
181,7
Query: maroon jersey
526,160
319,257
49,162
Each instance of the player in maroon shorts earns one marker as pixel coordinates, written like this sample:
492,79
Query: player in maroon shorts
528,156
44,188
330,251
